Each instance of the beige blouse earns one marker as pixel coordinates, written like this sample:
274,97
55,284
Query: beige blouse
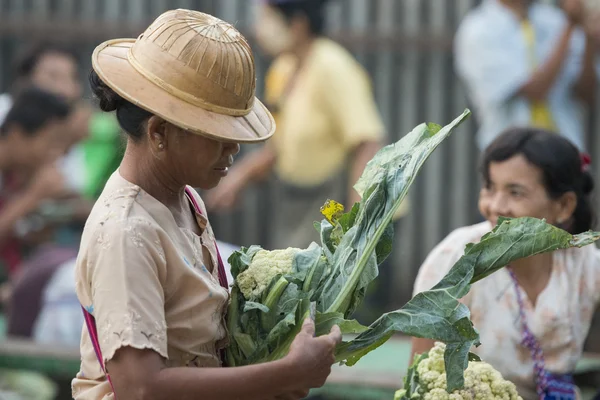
560,319
149,284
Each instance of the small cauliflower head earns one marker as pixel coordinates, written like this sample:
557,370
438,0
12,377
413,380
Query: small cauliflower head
264,267
482,381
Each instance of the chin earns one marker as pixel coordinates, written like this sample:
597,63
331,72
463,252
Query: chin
206,185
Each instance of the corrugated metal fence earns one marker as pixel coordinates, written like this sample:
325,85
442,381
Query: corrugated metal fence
404,44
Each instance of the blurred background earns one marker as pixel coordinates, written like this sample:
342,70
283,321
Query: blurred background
406,46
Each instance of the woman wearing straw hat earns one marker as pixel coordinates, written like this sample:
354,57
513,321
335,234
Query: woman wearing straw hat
149,275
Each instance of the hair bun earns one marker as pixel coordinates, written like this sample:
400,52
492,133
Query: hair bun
587,183
108,99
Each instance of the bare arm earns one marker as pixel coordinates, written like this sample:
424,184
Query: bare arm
543,78
141,374
256,166
361,156
586,84
420,346
155,382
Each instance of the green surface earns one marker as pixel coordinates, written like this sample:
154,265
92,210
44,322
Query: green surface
371,379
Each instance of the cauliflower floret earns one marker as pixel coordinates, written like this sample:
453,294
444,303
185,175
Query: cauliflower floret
482,381
264,267
436,394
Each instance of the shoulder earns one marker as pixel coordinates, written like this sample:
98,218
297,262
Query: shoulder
334,60
120,213
283,64
441,259
548,14
474,23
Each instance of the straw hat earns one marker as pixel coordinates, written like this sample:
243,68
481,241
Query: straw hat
193,70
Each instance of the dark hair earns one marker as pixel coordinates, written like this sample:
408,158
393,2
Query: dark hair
560,162
132,118
313,10
32,109
29,59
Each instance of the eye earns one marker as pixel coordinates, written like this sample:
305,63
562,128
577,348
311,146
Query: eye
517,193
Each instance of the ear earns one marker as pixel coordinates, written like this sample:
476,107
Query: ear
565,207
157,133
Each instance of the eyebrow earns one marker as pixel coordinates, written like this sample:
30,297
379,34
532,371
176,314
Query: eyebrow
516,186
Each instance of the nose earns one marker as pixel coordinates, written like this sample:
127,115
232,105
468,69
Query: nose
498,205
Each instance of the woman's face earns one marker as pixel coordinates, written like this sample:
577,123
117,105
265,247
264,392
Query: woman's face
196,160
515,189
41,147
57,73
273,33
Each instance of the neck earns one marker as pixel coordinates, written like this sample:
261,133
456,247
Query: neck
138,169
518,7
302,50
532,270
5,156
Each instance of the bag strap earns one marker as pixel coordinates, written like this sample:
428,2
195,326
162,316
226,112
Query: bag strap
222,274
90,321
529,340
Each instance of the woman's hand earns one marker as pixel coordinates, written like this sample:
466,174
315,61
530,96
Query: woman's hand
310,358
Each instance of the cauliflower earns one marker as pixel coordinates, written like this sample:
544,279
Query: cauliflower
264,267
482,381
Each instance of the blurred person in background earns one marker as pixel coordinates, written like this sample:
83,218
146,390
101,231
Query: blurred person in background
328,125
529,172
92,151
30,143
525,63
92,138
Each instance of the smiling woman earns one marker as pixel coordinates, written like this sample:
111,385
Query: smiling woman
534,316
149,274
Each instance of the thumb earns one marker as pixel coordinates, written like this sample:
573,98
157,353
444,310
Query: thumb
308,327
336,334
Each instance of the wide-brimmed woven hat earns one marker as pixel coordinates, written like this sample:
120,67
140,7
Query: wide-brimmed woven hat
193,70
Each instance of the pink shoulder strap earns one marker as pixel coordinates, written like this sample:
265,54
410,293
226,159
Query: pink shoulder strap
222,273
90,321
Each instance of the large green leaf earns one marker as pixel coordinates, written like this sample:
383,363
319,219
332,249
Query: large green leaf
437,314
324,323
383,186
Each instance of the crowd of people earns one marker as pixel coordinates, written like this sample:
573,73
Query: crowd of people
97,207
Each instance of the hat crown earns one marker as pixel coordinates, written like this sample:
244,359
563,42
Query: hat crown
200,59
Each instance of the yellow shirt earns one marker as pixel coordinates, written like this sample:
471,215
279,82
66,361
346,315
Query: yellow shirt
328,111
541,116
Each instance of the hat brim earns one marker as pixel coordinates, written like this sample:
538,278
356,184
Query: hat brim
111,63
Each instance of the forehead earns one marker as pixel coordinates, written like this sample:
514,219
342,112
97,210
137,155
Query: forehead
55,58
516,170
